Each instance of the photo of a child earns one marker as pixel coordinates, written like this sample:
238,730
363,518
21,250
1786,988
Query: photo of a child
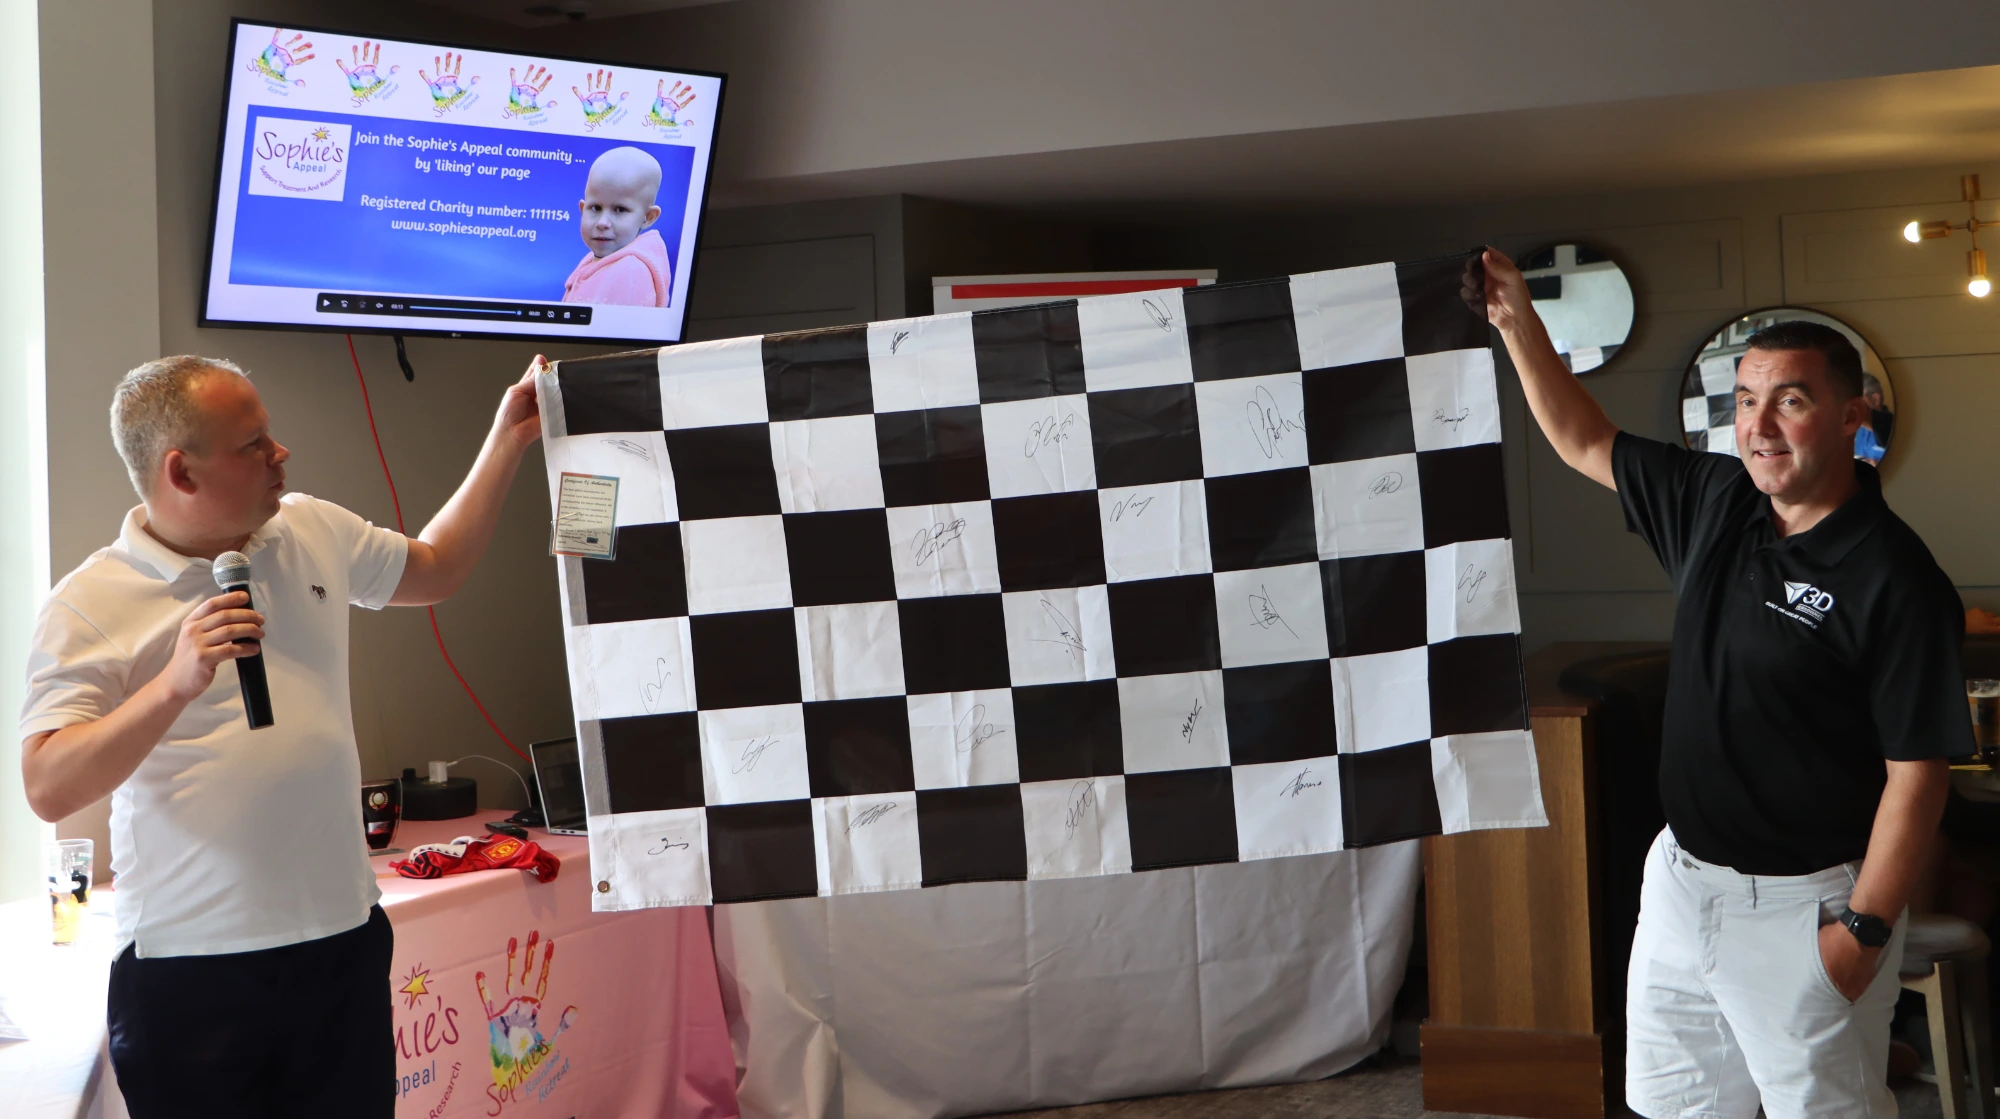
627,264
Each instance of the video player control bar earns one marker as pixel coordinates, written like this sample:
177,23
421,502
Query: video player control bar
560,314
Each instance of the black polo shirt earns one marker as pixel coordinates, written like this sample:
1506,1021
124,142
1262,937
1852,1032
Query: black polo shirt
1799,663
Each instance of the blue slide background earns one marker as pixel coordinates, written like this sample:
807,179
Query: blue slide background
293,242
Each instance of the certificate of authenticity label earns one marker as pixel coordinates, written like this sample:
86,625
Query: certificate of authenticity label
586,516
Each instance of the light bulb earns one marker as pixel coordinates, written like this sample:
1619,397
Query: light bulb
1913,233
1980,286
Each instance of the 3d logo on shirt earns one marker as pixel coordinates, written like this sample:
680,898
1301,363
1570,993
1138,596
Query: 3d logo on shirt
1808,597
1804,603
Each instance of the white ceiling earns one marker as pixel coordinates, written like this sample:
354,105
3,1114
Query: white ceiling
1123,104
1905,120
544,13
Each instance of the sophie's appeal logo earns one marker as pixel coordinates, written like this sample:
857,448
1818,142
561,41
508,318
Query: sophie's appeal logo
366,80
275,61
520,1037
524,94
425,1026
299,159
599,106
446,89
669,105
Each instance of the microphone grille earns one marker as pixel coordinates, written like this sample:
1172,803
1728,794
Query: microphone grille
231,568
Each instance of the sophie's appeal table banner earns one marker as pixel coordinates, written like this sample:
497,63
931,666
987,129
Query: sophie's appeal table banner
513,999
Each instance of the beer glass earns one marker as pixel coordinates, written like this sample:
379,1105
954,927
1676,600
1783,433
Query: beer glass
69,865
1984,696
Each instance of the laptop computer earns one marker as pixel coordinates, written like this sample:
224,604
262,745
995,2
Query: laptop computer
559,777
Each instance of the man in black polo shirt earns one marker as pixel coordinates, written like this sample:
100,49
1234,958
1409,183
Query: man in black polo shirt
1814,694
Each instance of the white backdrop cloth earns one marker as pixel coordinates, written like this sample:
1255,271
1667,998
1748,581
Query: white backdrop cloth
986,997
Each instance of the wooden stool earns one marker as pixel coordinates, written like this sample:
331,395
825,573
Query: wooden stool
1944,959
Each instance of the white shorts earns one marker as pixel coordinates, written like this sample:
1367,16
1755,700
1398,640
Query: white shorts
1728,1004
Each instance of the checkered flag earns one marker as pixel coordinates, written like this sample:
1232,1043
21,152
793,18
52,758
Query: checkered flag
1091,587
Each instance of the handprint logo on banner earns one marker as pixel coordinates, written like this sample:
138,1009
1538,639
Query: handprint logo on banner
276,61
446,89
668,104
524,90
514,1026
597,102
364,78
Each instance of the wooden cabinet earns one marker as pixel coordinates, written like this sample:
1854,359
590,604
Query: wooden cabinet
1520,994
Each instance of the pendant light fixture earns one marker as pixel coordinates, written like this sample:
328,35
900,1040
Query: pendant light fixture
1977,284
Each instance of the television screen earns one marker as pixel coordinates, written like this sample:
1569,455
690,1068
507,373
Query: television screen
411,188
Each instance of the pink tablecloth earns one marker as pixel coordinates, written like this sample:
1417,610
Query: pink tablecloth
514,999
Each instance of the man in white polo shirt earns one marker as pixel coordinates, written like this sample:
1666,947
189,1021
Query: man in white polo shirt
243,886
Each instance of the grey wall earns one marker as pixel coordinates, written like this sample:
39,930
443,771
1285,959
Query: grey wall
766,269
770,268
1697,257
951,240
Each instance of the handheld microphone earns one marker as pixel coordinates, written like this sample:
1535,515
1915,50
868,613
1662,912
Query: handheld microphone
232,573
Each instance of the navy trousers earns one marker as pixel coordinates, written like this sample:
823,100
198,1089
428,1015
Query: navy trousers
303,1030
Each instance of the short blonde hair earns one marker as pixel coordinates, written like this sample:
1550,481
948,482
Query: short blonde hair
154,411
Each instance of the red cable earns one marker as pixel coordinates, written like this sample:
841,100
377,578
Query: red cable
370,409
431,610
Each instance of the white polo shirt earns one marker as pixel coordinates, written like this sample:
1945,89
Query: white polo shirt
227,839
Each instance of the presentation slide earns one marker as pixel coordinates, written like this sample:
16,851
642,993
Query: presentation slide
372,184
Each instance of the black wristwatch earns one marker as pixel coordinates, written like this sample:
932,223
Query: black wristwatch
1870,930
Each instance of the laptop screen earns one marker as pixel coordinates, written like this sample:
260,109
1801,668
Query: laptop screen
560,777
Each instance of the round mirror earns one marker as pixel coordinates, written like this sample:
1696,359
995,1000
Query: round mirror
1708,391
1584,300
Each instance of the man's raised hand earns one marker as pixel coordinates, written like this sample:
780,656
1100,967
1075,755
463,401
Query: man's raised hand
1575,425
1508,304
520,416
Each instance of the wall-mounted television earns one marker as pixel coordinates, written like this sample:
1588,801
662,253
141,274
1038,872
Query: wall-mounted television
402,187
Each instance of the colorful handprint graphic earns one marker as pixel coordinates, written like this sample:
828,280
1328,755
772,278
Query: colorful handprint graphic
277,60
446,89
514,1027
524,91
364,77
597,103
668,104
